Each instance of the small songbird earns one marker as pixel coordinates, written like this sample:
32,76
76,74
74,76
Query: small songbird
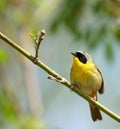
86,76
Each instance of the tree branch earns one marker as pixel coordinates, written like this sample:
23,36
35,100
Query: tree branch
57,77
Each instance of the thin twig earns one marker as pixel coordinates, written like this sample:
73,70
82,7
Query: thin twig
41,37
59,77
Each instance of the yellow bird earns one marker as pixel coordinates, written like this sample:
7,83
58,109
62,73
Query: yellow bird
86,76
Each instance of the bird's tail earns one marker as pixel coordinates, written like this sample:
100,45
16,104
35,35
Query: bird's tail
95,113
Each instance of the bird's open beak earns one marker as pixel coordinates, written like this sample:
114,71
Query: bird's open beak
74,54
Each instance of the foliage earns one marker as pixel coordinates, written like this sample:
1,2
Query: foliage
8,110
92,21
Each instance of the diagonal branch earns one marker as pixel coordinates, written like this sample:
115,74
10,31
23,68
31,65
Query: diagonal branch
59,78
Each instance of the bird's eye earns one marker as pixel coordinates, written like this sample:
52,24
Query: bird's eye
82,58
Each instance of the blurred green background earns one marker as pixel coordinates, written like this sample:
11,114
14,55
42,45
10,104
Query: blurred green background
28,100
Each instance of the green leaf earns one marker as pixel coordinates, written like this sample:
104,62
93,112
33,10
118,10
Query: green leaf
117,33
4,57
109,51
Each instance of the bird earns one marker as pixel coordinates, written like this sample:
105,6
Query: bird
86,76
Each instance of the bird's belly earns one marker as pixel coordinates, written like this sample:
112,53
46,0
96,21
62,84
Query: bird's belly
88,82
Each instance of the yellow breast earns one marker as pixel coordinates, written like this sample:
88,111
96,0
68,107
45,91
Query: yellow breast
85,76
